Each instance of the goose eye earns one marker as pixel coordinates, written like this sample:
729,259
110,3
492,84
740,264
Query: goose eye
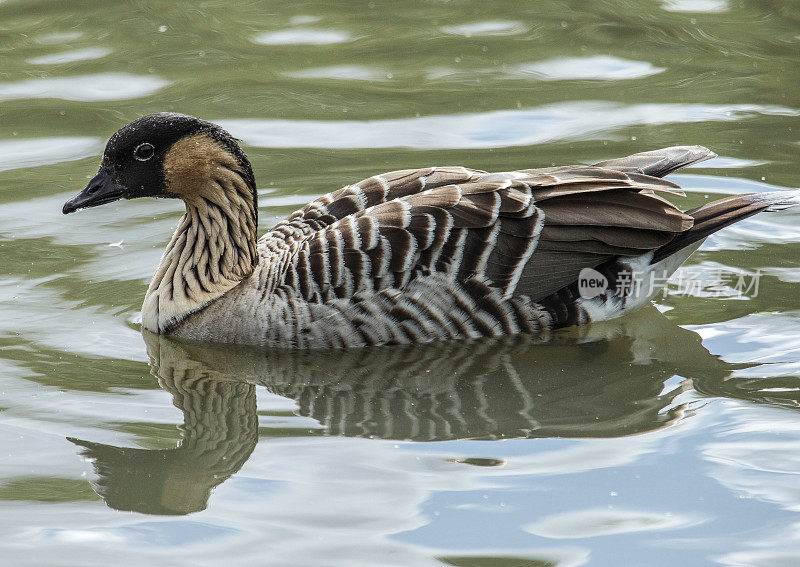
144,152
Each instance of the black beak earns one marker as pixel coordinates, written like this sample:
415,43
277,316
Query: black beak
101,189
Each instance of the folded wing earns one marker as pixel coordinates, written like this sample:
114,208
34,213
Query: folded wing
526,232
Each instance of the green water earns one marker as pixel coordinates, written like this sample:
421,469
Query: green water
669,437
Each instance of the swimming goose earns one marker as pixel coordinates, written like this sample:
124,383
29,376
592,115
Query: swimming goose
409,256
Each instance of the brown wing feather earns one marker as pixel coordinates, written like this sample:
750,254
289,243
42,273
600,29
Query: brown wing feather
524,232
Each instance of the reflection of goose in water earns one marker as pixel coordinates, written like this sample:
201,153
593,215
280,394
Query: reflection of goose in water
220,430
606,380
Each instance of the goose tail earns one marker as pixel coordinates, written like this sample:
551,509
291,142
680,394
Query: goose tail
714,216
646,274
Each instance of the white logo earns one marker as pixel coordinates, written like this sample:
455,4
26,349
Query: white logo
591,283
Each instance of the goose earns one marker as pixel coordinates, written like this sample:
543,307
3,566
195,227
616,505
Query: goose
404,257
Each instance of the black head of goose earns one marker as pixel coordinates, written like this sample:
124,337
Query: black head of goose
409,256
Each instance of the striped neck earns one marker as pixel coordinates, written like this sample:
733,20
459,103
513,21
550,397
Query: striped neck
212,250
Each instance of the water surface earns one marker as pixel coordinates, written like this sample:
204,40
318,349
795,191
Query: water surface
665,438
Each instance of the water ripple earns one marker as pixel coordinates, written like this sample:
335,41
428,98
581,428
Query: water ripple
758,337
494,129
303,36
71,56
304,19
603,67
170,534
710,6
496,27
84,88
341,72
59,37
591,523
30,152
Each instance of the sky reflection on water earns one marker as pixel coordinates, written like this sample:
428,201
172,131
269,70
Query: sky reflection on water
663,437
